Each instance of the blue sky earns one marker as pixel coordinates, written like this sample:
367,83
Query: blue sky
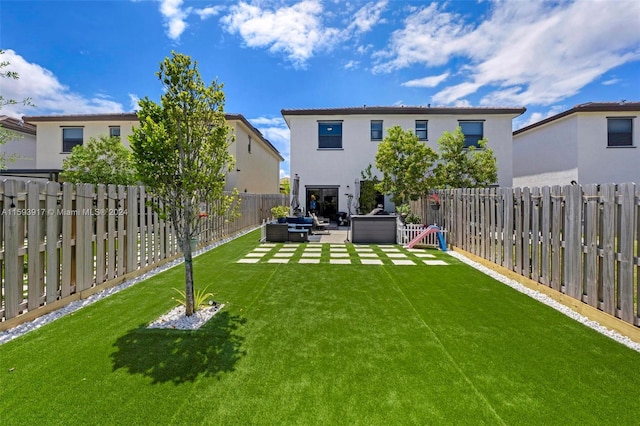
78,57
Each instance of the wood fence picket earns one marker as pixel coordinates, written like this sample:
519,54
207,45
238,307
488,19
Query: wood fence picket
581,241
60,241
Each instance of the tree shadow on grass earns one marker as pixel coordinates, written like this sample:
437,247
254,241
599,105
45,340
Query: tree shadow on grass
181,356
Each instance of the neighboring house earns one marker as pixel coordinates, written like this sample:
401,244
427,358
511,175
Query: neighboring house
589,143
330,147
257,168
23,146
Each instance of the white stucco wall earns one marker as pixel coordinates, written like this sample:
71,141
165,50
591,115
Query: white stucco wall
49,138
575,148
598,163
319,167
24,147
546,155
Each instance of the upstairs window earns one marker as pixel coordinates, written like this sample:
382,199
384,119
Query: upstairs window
619,132
376,130
330,135
71,136
473,131
114,132
421,129
249,145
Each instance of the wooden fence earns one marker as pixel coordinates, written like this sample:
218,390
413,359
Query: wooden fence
579,240
64,242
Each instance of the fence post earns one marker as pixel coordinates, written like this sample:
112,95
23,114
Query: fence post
591,202
13,262
625,244
572,241
53,237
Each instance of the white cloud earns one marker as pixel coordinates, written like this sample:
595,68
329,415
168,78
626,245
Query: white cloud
611,81
297,31
275,129
534,117
46,92
207,12
174,17
134,101
431,81
367,17
524,52
351,65
430,36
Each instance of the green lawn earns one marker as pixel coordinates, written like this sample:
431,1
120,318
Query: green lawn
320,344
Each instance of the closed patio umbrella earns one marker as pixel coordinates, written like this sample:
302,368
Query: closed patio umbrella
295,192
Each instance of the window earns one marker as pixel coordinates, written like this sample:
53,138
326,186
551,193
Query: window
619,131
376,130
114,132
473,131
249,146
329,135
71,136
421,129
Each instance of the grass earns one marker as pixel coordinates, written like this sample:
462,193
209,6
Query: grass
320,344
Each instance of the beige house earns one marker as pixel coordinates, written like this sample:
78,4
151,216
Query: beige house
257,167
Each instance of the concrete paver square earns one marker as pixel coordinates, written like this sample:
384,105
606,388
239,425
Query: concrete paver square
435,262
402,262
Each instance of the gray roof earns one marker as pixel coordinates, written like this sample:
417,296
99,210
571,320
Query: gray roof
411,110
17,125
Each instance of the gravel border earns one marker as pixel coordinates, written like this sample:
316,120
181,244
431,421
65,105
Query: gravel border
177,320
543,298
24,328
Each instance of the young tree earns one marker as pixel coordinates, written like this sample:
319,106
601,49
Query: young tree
5,134
181,152
460,167
405,163
368,182
103,160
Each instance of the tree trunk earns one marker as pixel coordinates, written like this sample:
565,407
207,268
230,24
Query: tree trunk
188,279
188,264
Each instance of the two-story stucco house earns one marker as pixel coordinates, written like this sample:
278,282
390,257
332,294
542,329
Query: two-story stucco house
330,147
257,168
589,143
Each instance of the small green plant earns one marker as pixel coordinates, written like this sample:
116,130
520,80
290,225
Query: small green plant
413,218
279,211
403,209
199,298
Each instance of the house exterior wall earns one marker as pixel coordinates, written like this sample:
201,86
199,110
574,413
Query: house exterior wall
24,147
259,170
255,172
546,155
49,138
598,163
342,167
573,147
